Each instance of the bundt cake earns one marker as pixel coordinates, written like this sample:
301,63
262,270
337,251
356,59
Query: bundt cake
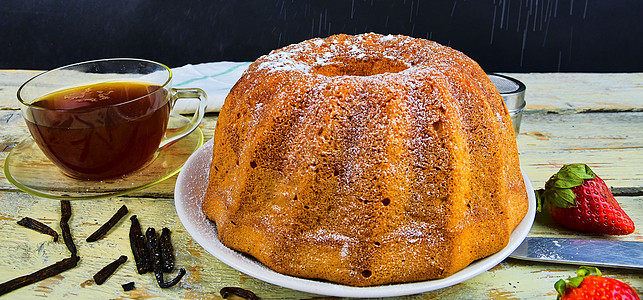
365,160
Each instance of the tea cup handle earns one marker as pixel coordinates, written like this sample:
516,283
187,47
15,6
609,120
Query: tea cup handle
179,133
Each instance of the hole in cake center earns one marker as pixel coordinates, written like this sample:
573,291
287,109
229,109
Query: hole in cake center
360,67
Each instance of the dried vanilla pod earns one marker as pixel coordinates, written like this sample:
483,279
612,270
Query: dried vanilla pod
166,250
39,275
65,211
239,292
100,233
138,244
172,282
128,286
155,258
101,276
38,226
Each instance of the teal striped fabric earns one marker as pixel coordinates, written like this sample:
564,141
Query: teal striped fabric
216,79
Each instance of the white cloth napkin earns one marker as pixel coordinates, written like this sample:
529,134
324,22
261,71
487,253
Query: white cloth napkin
215,78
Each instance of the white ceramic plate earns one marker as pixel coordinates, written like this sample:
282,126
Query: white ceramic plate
188,196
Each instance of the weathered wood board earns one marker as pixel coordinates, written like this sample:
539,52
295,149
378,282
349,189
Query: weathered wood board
591,118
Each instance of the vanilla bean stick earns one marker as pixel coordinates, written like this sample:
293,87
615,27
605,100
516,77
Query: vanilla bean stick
65,211
100,233
128,286
139,247
101,276
166,250
239,292
37,226
39,275
155,257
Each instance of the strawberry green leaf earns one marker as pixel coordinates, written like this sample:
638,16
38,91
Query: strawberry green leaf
575,281
539,199
570,176
560,286
560,197
583,272
566,180
590,174
586,271
582,171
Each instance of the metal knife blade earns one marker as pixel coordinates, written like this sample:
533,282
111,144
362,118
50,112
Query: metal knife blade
617,254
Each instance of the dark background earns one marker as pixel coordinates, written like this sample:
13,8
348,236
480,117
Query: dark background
502,35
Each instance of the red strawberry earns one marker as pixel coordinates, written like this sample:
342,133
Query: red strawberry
579,200
587,286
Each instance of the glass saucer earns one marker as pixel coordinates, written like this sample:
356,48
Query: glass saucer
31,171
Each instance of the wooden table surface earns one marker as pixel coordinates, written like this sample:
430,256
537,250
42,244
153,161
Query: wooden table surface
592,118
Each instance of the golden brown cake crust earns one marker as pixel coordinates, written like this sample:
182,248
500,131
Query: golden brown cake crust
365,160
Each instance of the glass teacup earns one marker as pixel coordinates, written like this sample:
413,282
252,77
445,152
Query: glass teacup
104,118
